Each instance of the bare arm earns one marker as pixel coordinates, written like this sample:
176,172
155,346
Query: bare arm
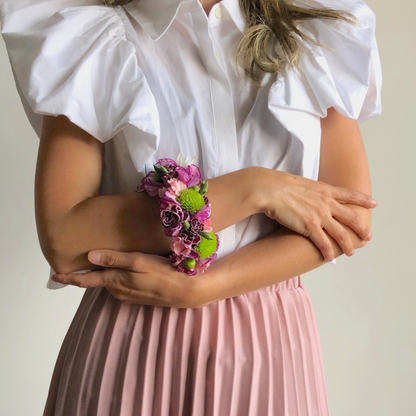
285,254
73,219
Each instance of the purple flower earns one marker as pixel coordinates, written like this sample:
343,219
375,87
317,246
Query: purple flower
174,230
176,258
194,255
173,218
201,264
177,262
190,175
211,258
168,200
189,272
148,185
203,214
191,236
169,164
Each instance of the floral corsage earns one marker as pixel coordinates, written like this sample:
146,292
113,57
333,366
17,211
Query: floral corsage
185,212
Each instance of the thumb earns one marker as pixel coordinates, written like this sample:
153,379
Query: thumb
115,259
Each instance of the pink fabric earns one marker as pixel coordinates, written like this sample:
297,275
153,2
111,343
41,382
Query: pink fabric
256,354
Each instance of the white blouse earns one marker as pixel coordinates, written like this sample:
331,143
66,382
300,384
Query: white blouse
158,77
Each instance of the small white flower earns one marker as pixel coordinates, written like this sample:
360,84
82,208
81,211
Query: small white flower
182,161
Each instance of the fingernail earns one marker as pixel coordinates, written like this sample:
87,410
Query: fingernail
95,257
374,202
369,236
54,278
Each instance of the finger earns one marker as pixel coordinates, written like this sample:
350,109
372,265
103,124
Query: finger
117,259
353,219
320,239
341,236
352,196
102,278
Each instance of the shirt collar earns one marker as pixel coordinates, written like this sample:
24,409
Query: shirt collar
155,16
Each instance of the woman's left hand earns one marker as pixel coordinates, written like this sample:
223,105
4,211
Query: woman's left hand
139,278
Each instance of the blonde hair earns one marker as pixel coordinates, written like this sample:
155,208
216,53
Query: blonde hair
272,23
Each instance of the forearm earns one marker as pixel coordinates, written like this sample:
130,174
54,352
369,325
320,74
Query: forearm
279,256
131,222
285,254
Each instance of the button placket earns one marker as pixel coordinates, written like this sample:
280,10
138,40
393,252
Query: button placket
224,125
222,97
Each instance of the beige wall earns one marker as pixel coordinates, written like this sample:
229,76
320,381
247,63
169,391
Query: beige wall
364,304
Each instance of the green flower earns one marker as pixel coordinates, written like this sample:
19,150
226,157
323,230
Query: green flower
205,247
190,200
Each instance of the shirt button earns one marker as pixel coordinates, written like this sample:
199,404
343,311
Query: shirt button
218,12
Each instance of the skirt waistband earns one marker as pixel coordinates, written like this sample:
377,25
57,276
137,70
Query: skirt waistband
289,284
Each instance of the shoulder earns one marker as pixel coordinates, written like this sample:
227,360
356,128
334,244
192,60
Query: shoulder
18,15
341,68
340,71
73,58
338,33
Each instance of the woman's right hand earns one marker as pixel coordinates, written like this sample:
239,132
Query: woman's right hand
307,207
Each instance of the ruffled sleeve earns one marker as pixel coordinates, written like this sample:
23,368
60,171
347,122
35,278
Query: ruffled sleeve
72,58
348,78
76,61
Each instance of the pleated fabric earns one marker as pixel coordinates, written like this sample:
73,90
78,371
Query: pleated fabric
257,354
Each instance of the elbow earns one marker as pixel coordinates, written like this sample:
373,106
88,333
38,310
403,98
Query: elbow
56,254
61,264
58,260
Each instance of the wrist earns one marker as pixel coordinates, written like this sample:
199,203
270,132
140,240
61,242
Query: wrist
185,211
209,285
257,182
261,188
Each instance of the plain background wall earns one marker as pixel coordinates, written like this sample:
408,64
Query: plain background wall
364,305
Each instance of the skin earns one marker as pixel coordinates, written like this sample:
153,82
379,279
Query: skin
73,218
285,254
208,4
318,221
136,277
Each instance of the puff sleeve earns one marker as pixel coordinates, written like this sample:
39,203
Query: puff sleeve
72,58
347,77
76,61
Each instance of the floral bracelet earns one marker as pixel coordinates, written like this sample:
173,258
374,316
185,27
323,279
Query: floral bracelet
185,213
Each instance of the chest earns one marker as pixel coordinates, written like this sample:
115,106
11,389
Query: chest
206,107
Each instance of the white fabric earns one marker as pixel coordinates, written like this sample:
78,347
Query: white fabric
158,77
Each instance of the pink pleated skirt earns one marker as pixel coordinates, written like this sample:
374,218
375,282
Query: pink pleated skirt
257,354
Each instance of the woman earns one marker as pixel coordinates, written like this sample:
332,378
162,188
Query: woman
275,134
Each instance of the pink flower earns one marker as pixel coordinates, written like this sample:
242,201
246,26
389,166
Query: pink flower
207,225
176,259
201,269
176,186
203,213
179,247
